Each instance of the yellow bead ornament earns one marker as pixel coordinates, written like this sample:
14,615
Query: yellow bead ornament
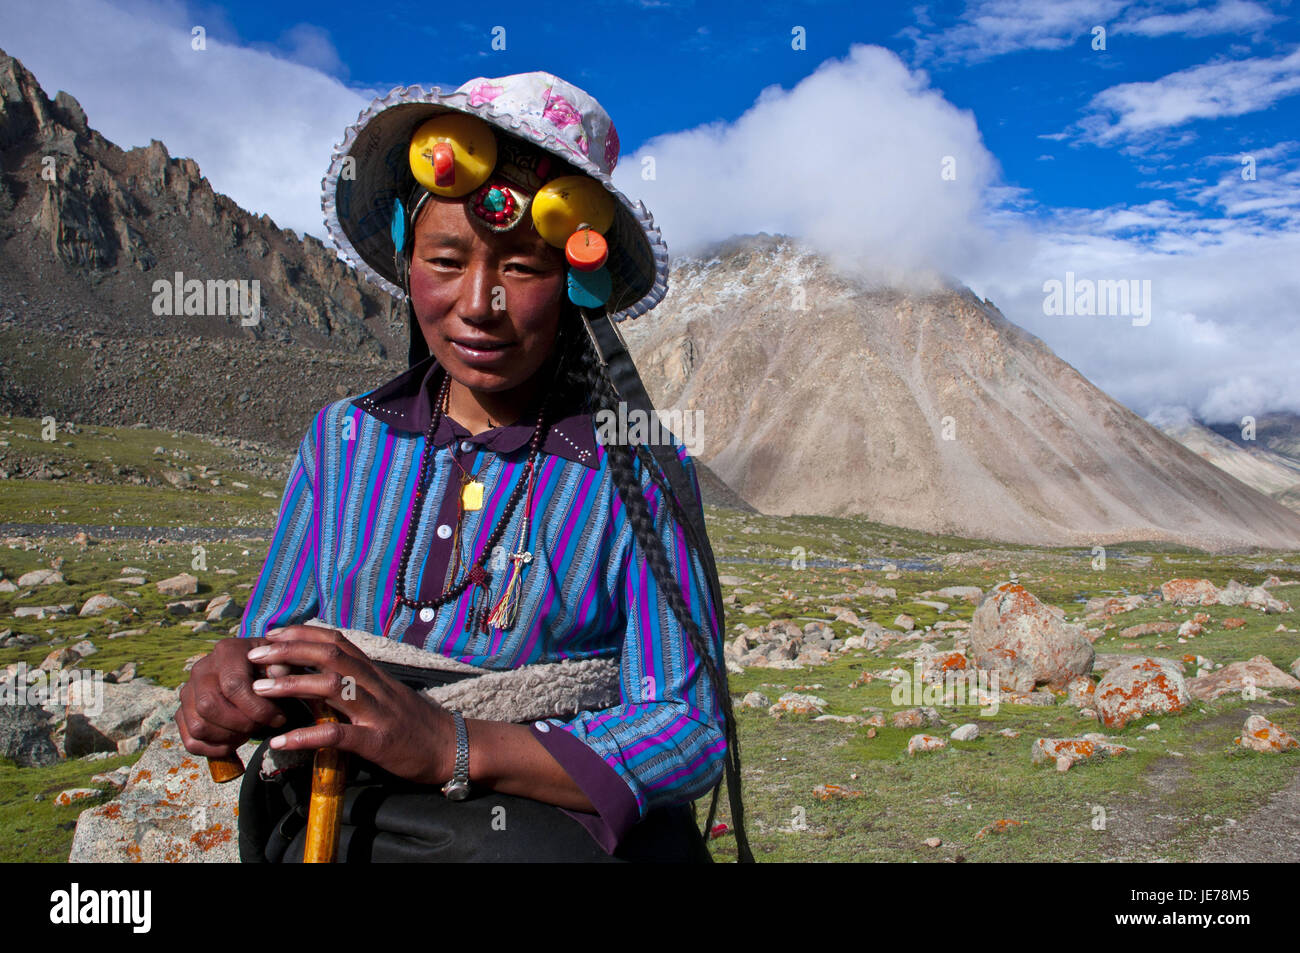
563,204
453,154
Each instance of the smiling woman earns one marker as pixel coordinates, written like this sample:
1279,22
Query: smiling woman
466,512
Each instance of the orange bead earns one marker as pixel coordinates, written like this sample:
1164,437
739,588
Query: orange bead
586,249
444,164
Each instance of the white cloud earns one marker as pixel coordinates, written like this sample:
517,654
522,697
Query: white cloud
262,128
1208,91
852,159
1222,338
1228,16
988,28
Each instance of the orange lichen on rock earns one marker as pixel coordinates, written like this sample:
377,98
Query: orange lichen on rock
827,792
997,827
212,837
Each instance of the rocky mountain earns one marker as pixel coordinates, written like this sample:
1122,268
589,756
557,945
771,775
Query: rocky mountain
1275,474
87,333
821,395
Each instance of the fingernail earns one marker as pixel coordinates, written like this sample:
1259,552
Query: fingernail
261,652
275,632
277,741
263,684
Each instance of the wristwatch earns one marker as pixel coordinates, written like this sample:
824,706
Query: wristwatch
457,789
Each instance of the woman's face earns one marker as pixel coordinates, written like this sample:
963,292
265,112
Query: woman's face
488,302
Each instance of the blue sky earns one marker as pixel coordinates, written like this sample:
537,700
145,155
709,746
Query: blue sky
1115,163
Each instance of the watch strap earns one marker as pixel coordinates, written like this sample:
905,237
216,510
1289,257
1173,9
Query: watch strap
457,789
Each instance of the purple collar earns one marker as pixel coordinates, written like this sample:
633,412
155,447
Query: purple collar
405,403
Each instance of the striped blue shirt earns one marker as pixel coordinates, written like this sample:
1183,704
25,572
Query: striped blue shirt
588,591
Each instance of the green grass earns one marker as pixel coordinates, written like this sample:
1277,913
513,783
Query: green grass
1157,805
95,452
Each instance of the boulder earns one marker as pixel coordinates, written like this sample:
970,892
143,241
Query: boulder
97,604
1105,661
26,733
793,703
60,659
919,744
185,606
98,715
1260,734
1241,678
44,612
1080,692
936,666
969,594
967,732
40,577
180,585
1141,687
1072,751
1025,642
223,607
171,811
1146,628
1256,597
1190,592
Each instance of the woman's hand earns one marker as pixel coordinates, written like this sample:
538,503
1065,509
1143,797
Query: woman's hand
219,710
388,723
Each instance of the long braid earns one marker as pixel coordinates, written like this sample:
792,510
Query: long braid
587,374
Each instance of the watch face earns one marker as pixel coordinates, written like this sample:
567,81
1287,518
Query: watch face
456,790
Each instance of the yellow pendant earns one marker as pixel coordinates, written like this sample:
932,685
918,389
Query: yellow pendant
471,495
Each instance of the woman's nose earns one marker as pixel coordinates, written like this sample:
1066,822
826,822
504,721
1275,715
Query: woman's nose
482,294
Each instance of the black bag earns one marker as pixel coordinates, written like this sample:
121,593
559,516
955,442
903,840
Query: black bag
390,819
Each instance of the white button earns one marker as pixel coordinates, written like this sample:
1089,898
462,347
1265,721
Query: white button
426,614
541,726
466,446
444,531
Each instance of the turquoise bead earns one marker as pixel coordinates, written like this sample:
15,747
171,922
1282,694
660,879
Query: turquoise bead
590,289
495,200
398,228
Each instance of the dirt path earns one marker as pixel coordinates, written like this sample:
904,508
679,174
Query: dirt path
1269,835
1146,822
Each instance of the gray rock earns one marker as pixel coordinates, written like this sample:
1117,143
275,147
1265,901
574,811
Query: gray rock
26,734
104,713
40,577
170,810
97,604
223,607
180,585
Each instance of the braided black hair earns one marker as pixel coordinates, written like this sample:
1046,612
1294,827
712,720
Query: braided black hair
583,380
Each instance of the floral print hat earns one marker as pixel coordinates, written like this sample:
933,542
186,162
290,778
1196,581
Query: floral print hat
370,177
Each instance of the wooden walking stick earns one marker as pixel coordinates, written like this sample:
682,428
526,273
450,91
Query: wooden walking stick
325,808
